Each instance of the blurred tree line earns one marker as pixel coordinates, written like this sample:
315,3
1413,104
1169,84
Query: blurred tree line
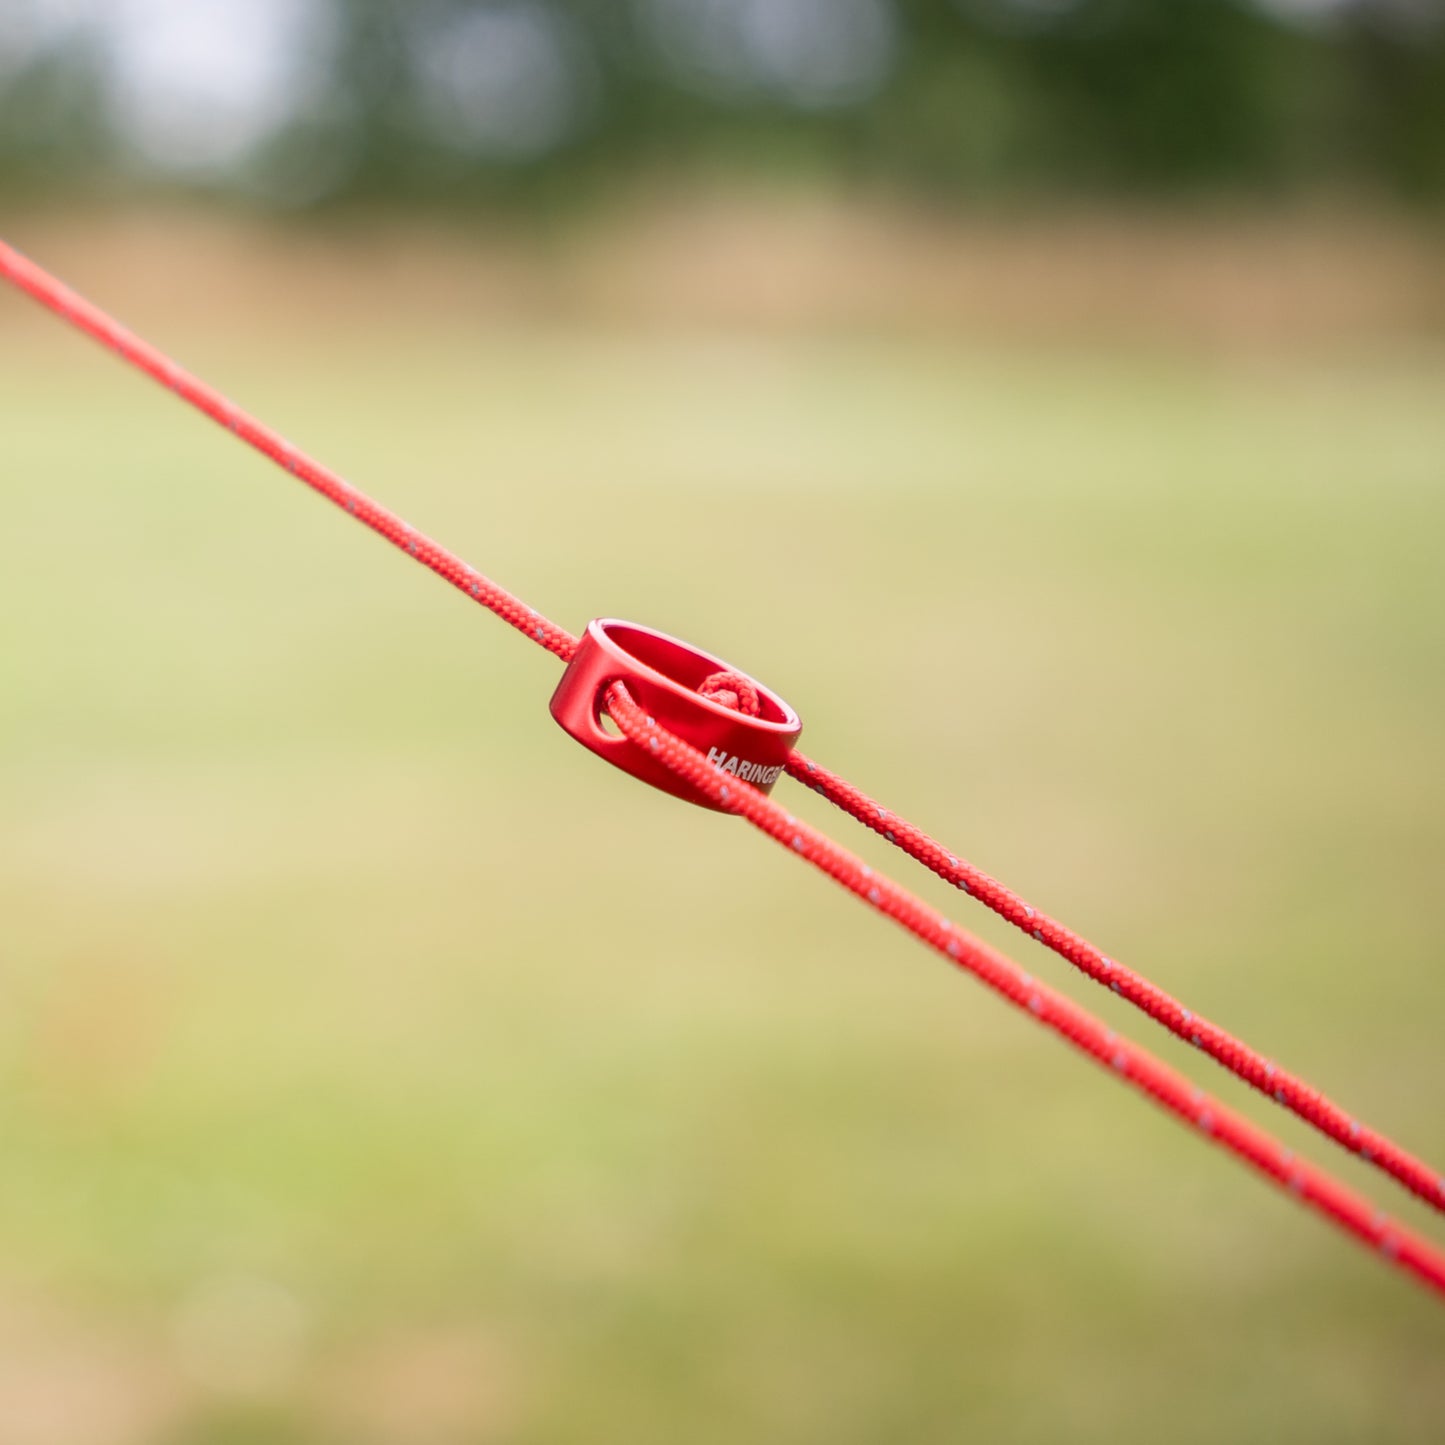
310,102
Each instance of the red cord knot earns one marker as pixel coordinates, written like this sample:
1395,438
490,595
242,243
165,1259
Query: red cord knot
733,690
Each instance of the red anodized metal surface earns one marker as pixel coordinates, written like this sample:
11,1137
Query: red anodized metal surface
663,675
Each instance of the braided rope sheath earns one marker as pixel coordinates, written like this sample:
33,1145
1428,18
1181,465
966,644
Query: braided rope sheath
1136,1066
94,322
1316,1188
1241,1060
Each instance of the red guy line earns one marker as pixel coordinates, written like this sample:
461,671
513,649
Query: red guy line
1242,1061
1256,1148
74,308
1136,1066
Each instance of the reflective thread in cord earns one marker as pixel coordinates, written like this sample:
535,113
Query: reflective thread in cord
1313,1186
1261,1151
1242,1061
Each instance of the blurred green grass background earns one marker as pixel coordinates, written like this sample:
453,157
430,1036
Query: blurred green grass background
379,1067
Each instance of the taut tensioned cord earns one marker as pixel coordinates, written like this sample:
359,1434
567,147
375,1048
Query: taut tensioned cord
1313,1186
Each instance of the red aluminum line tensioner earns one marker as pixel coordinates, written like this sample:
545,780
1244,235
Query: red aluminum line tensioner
663,675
